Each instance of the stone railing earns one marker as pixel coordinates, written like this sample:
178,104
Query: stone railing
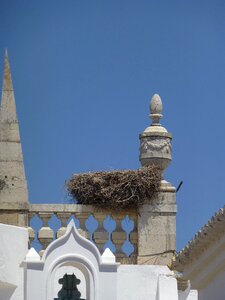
143,236
104,228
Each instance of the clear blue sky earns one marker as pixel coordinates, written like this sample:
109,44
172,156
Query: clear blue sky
83,74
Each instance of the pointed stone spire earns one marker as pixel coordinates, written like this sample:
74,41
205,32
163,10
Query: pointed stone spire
7,81
8,106
13,186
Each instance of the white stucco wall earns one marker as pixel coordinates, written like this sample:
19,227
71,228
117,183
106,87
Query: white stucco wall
13,249
139,281
147,282
188,295
71,253
207,272
101,278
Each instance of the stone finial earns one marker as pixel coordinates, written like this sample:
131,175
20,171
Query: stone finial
155,146
157,217
156,109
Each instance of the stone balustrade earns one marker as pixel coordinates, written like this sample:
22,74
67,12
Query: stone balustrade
105,228
146,235
143,236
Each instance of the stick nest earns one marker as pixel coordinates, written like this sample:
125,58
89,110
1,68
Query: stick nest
115,190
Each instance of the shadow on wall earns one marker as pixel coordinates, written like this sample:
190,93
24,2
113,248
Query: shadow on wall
7,290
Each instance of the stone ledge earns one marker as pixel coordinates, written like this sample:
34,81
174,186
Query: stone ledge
14,206
164,259
160,210
74,208
156,134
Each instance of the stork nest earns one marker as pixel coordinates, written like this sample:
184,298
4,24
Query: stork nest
115,190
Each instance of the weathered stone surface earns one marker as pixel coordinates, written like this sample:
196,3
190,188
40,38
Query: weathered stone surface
159,259
76,208
12,217
155,150
156,108
157,218
155,146
9,218
13,187
157,230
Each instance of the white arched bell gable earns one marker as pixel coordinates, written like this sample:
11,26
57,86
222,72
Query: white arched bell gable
71,253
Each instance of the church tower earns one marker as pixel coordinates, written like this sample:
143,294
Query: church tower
13,185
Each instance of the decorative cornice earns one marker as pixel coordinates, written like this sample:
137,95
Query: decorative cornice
202,240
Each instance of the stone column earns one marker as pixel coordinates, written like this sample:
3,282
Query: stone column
157,217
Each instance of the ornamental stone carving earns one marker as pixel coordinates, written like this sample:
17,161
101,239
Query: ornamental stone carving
155,146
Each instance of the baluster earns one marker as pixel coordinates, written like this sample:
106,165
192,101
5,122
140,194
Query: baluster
134,241
133,237
30,229
119,237
82,217
91,225
63,217
100,235
45,234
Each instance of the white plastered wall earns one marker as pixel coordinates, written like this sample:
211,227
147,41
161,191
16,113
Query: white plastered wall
207,272
147,282
70,254
101,278
13,249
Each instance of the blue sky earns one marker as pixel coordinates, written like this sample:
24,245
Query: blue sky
83,74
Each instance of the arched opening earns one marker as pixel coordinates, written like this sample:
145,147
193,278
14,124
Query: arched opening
69,288
82,271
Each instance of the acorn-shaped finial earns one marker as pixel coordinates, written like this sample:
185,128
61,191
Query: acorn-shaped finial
156,109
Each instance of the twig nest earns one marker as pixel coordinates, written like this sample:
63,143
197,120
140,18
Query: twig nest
115,190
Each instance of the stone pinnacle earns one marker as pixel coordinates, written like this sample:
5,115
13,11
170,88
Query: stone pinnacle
7,81
156,109
8,106
12,173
